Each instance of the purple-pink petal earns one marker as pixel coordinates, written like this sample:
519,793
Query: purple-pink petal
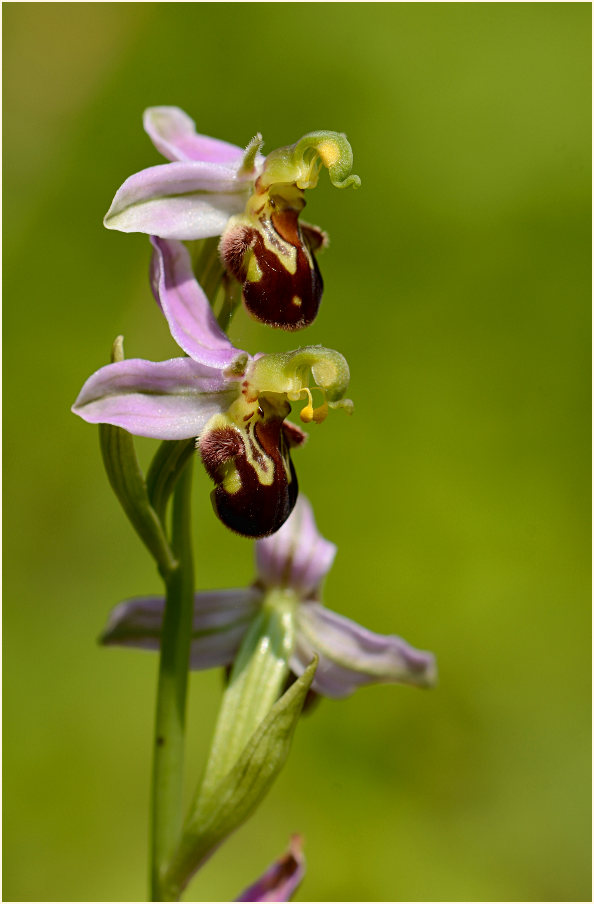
165,400
296,556
189,315
181,200
174,134
280,880
351,656
221,618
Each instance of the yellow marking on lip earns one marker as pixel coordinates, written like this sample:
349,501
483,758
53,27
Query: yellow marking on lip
254,272
230,479
297,301
264,469
283,251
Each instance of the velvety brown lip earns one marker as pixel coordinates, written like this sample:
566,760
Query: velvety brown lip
256,509
279,298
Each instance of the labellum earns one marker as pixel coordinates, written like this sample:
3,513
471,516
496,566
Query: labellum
271,254
249,460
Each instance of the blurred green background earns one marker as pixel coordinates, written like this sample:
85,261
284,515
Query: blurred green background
457,285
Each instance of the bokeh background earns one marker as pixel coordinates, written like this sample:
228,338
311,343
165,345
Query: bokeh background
457,285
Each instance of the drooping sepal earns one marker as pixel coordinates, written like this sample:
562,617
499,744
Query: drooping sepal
351,656
185,303
171,399
221,619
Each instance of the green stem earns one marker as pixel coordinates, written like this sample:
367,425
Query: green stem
167,813
168,463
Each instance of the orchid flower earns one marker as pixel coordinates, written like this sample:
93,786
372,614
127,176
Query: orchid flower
233,403
214,188
291,566
281,880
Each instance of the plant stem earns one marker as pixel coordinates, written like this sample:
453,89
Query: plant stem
167,812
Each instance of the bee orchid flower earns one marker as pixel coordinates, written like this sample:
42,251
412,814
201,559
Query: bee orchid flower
235,405
291,566
253,202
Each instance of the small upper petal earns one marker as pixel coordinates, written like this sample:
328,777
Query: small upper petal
165,399
221,618
296,556
183,200
189,315
351,656
280,880
174,134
